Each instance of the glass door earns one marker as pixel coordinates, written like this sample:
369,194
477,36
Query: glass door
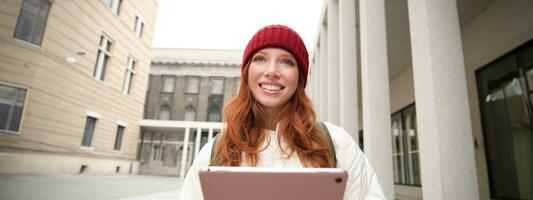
506,117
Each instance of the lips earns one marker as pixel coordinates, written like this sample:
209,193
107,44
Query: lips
271,86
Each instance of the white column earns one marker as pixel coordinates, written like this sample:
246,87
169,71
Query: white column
210,134
184,152
323,73
316,87
348,67
197,142
316,77
448,166
333,108
375,89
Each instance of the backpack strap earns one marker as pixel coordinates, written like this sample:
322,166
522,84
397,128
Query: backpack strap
322,126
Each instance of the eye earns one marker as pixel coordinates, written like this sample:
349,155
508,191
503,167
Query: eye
258,58
288,62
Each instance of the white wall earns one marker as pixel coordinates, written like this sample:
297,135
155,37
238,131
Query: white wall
402,90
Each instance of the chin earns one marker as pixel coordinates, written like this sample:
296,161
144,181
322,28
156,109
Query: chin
271,104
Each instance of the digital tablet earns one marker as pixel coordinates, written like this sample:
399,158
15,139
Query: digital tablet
245,183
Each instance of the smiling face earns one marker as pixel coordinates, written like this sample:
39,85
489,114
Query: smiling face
273,78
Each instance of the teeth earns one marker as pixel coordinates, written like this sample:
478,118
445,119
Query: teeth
271,87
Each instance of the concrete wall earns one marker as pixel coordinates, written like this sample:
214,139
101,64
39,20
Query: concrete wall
402,90
45,163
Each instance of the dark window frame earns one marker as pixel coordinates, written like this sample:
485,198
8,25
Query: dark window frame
9,118
163,83
19,24
110,4
187,78
118,137
104,52
216,110
187,108
129,75
88,131
212,83
169,110
521,70
401,113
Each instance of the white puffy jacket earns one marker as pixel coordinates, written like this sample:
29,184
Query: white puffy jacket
362,180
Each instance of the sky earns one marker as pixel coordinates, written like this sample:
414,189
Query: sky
229,24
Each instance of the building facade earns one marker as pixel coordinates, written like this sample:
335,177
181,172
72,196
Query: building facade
187,90
441,90
73,78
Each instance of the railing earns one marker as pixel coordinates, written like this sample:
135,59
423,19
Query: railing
187,125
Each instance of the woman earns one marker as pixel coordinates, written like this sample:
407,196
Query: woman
271,121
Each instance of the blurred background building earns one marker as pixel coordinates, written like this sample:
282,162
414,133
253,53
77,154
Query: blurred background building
73,78
441,89
186,92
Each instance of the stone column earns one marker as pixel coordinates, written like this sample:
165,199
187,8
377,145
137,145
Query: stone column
323,115
448,166
314,76
184,152
333,108
375,89
348,67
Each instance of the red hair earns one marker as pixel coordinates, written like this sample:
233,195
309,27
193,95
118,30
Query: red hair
245,129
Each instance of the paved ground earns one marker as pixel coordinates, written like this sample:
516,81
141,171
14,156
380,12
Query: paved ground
59,187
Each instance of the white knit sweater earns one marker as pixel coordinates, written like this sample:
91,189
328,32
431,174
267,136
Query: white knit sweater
362,180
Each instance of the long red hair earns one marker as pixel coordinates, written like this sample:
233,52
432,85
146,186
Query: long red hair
245,129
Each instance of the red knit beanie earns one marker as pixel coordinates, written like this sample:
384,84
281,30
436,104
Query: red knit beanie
281,37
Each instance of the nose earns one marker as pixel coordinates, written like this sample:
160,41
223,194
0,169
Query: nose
272,70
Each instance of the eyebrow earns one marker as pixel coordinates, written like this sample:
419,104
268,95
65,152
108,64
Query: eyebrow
283,55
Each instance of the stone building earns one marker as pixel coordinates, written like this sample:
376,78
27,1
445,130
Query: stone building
441,89
187,90
73,80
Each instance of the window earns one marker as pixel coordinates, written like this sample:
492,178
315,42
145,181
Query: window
128,77
32,21
138,25
505,100
11,107
158,154
168,84
405,147
88,131
103,57
217,85
118,138
214,103
164,113
192,85
114,5
214,114
190,113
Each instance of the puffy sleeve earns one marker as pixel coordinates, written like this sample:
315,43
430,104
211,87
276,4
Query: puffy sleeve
191,188
362,179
